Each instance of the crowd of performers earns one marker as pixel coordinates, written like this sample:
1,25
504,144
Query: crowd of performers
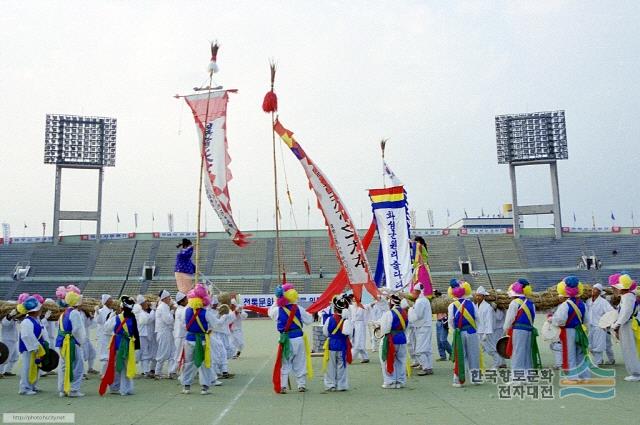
171,339
400,328
179,336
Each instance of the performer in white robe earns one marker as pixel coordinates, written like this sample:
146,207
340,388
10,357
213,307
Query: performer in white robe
71,336
237,335
359,348
597,305
290,319
421,321
88,349
143,318
519,323
376,309
179,332
393,325
164,334
197,347
103,333
498,330
486,320
337,329
463,324
572,319
31,345
220,341
624,326
9,336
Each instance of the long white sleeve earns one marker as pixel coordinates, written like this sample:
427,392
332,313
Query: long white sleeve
627,303
325,328
560,315
77,326
306,317
347,327
179,324
450,317
386,321
485,318
510,315
274,311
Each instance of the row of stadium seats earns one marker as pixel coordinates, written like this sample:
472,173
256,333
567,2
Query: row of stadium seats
116,266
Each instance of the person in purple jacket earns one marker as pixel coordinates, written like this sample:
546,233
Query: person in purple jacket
185,269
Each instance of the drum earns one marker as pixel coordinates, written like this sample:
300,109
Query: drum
50,361
608,319
4,352
550,332
501,346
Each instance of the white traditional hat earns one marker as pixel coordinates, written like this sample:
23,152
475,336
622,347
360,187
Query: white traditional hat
140,299
180,296
104,298
481,291
599,287
164,294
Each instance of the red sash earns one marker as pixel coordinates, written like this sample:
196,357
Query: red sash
391,347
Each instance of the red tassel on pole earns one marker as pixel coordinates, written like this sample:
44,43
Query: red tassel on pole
270,102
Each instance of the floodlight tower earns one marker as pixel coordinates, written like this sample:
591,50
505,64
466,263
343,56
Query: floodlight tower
533,139
82,143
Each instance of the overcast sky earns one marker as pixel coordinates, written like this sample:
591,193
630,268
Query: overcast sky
431,76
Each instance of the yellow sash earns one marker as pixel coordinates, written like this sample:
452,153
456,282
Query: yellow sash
465,314
65,353
207,343
307,346
131,360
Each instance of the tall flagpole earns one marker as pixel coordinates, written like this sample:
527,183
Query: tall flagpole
383,144
212,68
270,104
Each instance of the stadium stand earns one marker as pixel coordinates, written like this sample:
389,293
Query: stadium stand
115,267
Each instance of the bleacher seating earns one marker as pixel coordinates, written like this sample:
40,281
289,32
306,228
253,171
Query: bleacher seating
115,267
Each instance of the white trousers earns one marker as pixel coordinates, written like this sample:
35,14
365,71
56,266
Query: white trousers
521,358
297,364
178,344
489,348
204,373
219,353
399,375
121,383
423,347
25,386
237,338
336,375
165,351
89,353
628,345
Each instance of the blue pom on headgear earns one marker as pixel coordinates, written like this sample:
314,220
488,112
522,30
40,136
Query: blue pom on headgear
30,303
572,281
279,292
454,283
523,282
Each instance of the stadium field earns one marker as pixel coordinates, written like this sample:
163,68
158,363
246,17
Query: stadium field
249,398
